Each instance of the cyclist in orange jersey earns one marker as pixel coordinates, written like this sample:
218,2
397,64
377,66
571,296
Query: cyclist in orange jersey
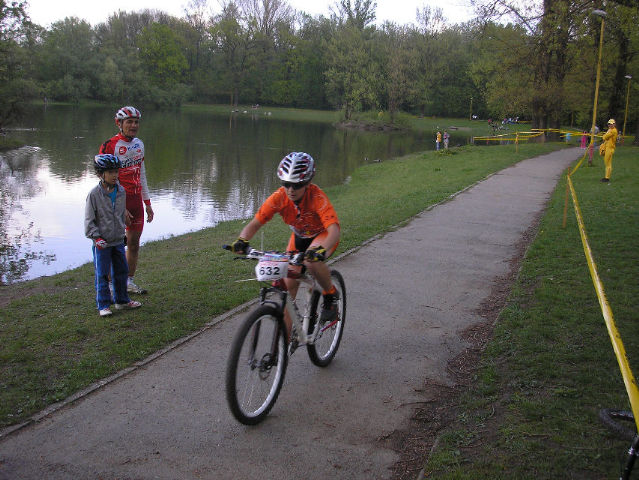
308,211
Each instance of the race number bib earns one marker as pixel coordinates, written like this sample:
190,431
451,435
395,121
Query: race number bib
267,270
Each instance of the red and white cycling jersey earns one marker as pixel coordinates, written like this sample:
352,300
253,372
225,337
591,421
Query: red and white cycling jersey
132,175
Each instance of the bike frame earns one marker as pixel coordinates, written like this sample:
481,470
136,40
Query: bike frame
300,321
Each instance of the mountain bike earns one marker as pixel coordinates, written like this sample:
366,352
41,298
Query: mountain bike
261,348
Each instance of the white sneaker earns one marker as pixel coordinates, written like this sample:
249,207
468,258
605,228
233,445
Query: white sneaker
133,288
105,312
128,306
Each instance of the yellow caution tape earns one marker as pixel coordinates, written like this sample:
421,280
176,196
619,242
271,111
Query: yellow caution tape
617,344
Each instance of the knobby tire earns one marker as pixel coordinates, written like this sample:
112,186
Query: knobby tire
255,370
325,347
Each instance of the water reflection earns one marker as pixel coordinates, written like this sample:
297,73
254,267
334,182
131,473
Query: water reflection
202,169
19,237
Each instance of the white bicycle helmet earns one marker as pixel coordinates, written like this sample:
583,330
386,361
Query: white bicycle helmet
127,112
296,167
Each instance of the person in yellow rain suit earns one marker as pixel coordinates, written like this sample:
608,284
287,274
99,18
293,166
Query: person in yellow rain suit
607,148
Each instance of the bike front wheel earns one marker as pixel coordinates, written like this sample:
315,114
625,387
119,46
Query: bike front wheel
323,350
256,366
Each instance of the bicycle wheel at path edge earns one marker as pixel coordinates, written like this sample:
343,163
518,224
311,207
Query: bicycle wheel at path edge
256,366
325,347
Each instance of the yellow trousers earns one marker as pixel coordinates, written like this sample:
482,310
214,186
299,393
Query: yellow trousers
608,162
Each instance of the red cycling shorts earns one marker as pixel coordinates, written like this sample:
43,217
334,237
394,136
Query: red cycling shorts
135,206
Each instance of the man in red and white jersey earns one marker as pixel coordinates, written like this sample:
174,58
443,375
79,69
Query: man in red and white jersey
130,151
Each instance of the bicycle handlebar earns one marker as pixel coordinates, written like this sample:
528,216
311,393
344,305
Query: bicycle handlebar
294,258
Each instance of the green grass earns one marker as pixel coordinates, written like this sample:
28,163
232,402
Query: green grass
54,343
8,143
533,410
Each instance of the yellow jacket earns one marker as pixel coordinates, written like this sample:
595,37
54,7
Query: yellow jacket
610,139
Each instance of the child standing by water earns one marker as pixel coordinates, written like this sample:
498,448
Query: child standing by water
104,223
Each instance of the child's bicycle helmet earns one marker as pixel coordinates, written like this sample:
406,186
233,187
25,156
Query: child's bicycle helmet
296,167
106,161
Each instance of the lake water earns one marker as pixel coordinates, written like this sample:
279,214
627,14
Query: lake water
201,169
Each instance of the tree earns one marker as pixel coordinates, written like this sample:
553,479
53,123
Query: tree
431,60
359,14
353,78
123,78
161,56
563,35
400,66
196,18
271,24
310,61
15,88
547,27
234,42
497,74
67,69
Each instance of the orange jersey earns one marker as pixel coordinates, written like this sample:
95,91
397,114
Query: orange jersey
309,218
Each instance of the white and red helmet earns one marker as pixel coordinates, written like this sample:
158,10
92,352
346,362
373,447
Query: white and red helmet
296,167
127,112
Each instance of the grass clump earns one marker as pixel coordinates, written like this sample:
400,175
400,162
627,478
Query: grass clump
550,366
8,143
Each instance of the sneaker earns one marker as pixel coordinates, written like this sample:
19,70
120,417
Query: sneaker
133,288
105,312
128,306
605,180
330,308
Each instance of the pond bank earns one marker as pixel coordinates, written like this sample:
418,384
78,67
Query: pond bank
55,344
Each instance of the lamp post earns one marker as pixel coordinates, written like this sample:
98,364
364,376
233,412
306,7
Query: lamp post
625,114
602,14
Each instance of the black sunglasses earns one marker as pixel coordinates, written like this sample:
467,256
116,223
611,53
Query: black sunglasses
295,186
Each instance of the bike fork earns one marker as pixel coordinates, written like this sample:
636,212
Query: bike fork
632,456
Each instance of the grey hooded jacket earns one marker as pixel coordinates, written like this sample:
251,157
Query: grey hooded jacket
101,219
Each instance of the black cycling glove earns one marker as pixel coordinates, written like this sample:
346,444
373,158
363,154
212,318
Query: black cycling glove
315,254
240,246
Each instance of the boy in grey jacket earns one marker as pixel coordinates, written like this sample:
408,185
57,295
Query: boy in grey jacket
104,223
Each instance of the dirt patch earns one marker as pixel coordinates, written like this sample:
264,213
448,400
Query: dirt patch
415,443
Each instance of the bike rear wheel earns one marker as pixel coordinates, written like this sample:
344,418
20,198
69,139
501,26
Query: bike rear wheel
256,366
327,342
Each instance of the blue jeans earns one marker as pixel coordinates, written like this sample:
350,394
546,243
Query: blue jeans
110,261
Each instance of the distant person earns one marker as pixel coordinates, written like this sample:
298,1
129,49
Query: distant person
607,148
584,139
446,139
130,151
104,223
438,140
